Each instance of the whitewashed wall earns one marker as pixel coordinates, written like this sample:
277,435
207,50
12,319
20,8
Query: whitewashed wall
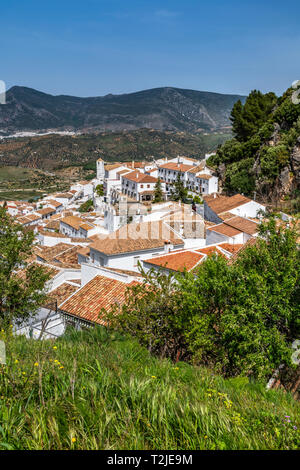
250,209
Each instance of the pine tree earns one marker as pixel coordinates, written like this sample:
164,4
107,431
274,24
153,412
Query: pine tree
158,193
248,118
180,193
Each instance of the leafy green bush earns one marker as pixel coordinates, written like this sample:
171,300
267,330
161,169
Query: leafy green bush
237,318
253,127
86,206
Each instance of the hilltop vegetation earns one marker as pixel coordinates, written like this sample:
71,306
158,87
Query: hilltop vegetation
93,390
56,151
264,155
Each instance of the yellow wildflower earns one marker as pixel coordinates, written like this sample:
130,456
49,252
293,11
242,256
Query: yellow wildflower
54,347
73,439
16,361
153,376
36,364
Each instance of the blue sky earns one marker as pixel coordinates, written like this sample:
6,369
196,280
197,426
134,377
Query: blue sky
95,47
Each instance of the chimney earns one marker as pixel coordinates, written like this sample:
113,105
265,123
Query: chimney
215,195
132,164
167,246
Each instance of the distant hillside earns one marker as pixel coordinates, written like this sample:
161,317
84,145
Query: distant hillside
167,108
53,151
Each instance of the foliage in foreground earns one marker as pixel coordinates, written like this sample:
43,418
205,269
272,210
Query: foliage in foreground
236,317
22,283
91,390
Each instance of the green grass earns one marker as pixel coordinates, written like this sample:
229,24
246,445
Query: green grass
17,183
13,173
20,195
88,390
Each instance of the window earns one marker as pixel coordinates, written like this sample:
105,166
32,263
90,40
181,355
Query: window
148,185
142,185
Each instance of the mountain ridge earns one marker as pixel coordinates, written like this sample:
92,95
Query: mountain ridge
163,108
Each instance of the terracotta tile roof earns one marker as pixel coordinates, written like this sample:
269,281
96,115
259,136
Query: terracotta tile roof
204,176
48,253
68,257
220,204
250,242
86,227
67,213
231,248
224,230
149,192
26,219
225,215
75,281
62,293
138,177
113,166
54,203
33,217
100,293
242,224
52,271
46,233
210,250
84,251
55,216
177,261
63,195
74,221
46,211
176,166
53,225
121,172
197,168
136,237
